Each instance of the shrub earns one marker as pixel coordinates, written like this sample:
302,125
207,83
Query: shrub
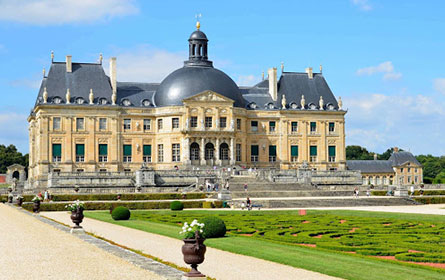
120,213
176,205
208,204
214,227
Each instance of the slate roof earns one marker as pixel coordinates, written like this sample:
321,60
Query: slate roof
402,157
370,166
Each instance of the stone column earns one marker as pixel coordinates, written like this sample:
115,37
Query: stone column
217,155
217,118
186,151
304,143
323,153
68,139
232,151
202,156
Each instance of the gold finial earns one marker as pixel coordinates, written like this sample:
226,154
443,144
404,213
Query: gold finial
101,57
44,72
198,24
262,75
282,67
321,69
52,56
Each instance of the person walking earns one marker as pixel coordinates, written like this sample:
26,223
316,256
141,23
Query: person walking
412,190
245,187
356,192
249,204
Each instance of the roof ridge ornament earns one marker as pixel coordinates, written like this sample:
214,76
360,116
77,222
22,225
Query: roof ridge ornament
198,24
52,56
340,103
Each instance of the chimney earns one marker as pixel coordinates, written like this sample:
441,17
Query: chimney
396,149
309,72
113,74
273,87
69,64
375,156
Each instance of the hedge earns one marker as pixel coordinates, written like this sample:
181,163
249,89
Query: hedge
416,192
430,200
108,205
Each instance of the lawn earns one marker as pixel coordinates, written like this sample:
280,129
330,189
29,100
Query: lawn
4,185
348,244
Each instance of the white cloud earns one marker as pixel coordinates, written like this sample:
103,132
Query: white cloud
248,80
387,68
45,12
14,128
27,83
146,64
439,85
362,4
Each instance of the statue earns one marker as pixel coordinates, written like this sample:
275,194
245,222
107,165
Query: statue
187,124
113,98
45,95
283,101
232,124
340,103
202,123
321,103
91,96
302,102
68,96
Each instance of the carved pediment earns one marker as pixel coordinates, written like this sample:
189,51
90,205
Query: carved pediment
208,96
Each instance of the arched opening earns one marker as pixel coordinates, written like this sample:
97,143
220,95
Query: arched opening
194,151
224,151
16,175
209,151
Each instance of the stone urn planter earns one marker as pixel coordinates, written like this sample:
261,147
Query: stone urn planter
77,217
20,201
36,206
10,198
193,251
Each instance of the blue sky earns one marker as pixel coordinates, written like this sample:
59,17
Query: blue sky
384,58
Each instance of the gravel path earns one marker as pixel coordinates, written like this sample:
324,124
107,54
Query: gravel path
31,249
218,264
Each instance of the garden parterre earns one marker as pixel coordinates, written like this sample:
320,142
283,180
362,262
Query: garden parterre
406,240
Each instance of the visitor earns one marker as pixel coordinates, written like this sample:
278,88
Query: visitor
356,192
412,190
421,190
208,186
216,186
249,204
368,193
243,205
245,187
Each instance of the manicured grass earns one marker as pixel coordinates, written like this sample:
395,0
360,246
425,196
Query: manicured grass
281,248
4,185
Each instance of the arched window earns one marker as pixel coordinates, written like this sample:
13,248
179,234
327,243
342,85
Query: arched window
209,151
194,151
224,151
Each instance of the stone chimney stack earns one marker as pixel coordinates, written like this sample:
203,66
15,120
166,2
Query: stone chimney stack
273,86
113,74
310,73
69,64
396,149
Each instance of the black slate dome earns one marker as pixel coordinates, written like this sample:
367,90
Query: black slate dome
196,76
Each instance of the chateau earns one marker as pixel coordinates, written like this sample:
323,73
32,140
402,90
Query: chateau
197,117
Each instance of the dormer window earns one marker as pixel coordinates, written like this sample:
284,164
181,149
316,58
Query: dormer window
312,106
57,100
330,107
253,105
103,101
126,102
293,105
80,100
270,106
146,103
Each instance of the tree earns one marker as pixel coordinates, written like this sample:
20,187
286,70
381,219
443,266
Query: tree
9,155
358,153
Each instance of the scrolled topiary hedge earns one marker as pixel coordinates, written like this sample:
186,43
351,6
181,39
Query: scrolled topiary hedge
421,257
126,196
120,213
214,227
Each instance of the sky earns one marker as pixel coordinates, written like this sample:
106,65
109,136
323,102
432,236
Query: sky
384,58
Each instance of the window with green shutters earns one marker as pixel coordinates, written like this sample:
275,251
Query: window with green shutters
103,152
80,152
272,153
127,153
294,153
254,153
271,126
294,127
331,127
313,153
313,127
254,126
147,153
57,152
331,153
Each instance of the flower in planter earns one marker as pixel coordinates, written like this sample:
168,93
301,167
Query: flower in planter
188,231
77,205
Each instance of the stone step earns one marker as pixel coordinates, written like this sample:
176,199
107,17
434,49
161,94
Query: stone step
298,193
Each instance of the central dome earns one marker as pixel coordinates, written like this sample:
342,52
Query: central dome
196,76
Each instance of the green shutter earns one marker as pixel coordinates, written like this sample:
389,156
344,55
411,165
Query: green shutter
103,149
332,151
127,150
80,149
331,126
147,150
271,123
294,151
254,150
313,126
253,123
313,150
57,150
272,150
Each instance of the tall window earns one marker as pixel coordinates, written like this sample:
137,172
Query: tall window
194,151
102,124
208,122
194,122
313,127
176,152
331,152
147,124
103,152
272,126
209,151
224,151
313,153
272,153
56,123
160,124
147,153
294,127
127,153
223,122
160,152
294,153
80,152
238,124
57,152
175,123
331,127
127,124
80,124
254,153
254,126
238,152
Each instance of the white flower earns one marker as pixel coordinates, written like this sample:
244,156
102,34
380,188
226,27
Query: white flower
201,231
189,229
